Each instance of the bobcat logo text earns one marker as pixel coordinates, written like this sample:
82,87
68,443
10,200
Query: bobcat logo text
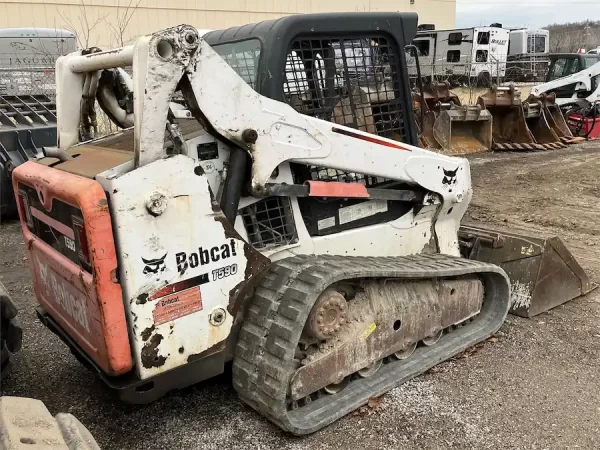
204,256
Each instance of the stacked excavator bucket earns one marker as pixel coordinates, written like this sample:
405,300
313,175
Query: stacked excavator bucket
451,128
543,273
518,125
555,117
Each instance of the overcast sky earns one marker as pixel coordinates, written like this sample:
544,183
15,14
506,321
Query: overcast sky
516,13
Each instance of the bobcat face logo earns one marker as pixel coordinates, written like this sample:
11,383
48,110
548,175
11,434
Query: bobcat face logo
449,177
154,265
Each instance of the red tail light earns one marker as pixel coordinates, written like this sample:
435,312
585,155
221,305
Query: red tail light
24,204
82,243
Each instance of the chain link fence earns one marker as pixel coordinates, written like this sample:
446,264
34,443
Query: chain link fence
28,81
466,72
468,79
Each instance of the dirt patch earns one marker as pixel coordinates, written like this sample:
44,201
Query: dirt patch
551,193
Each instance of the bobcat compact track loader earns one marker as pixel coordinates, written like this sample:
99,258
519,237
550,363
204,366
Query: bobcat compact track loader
322,259
581,88
544,273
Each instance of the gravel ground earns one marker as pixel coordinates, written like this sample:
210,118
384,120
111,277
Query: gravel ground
534,386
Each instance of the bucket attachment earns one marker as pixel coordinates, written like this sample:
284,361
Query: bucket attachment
434,94
555,117
543,273
509,130
451,128
463,129
535,116
428,137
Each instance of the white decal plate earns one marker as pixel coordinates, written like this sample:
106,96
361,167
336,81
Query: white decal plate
362,210
326,223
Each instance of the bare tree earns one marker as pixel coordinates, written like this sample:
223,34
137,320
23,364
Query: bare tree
569,37
124,16
557,42
84,28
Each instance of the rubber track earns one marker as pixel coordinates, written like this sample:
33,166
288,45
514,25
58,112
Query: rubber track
263,364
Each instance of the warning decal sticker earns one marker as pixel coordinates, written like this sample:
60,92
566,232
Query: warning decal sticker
179,304
179,286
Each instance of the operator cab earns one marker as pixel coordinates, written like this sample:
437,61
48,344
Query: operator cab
566,64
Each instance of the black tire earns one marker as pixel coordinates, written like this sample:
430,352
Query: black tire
11,333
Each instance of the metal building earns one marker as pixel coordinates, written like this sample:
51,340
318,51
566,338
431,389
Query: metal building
107,23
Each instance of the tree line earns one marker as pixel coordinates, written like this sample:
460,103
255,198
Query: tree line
569,37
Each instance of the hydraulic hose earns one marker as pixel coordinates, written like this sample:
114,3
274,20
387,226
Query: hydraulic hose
584,113
234,183
414,49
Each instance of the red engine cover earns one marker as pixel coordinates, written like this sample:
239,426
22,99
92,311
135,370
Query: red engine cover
84,299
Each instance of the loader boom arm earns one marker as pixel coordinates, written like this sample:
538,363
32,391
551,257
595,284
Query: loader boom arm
270,131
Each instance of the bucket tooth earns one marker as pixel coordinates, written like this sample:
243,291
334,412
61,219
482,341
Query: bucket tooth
543,273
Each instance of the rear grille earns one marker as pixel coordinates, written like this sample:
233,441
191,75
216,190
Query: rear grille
269,222
350,81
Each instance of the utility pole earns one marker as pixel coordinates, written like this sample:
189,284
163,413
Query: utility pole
586,34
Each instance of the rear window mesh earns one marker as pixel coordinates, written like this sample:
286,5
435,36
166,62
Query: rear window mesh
350,81
242,57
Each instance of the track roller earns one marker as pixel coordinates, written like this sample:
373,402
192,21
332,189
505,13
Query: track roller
406,353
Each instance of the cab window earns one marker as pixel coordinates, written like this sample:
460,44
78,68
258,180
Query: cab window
558,69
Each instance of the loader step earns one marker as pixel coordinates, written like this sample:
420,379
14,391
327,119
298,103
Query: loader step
264,362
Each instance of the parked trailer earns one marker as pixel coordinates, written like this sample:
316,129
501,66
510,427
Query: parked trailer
477,53
527,41
528,54
28,56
